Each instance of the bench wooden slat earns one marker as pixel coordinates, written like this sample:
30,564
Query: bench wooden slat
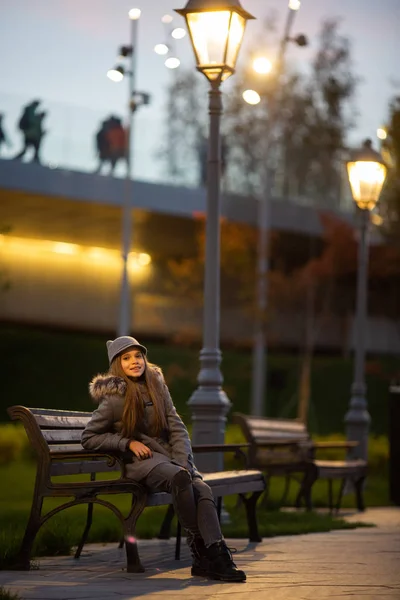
60,422
59,413
65,448
340,468
62,435
276,425
229,477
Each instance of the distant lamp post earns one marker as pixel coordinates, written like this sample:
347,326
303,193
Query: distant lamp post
216,29
135,99
366,172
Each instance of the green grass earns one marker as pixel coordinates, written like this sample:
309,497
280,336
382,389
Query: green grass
7,595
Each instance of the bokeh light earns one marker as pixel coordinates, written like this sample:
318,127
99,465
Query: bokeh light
134,14
251,97
161,49
262,65
172,62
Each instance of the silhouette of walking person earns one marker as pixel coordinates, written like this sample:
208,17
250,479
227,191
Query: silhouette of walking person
3,138
111,143
31,125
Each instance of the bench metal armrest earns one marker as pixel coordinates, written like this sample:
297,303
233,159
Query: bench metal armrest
237,449
111,457
279,443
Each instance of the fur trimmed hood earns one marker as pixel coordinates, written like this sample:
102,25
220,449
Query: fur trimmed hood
106,385
111,385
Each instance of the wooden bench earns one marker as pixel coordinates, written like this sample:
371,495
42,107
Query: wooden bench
284,447
55,436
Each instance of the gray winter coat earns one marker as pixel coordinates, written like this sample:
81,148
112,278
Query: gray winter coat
103,432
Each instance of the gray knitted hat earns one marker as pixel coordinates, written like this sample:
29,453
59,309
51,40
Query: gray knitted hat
115,347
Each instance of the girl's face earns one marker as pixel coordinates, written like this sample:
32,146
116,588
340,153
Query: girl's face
133,363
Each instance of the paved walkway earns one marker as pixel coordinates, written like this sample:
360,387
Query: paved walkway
347,565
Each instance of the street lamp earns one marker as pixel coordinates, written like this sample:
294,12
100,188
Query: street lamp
366,172
135,99
216,29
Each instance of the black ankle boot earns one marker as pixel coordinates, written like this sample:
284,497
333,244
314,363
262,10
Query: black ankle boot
199,555
221,565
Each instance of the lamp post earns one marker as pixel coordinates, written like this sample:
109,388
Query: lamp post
366,171
135,99
216,29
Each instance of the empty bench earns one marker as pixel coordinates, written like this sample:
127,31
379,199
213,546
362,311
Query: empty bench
55,437
284,447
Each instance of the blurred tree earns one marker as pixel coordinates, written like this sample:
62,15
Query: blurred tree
389,205
238,247
315,283
315,113
185,127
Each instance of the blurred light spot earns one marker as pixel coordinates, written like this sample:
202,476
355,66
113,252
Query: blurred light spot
294,4
381,133
167,19
161,49
172,63
134,14
74,253
376,219
144,259
251,97
115,75
130,539
138,260
262,65
178,33
64,248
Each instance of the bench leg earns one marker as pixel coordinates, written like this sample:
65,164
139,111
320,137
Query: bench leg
178,541
85,534
310,477
330,496
33,526
265,493
359,487
250,505
340,495
139,499
132,558
165,529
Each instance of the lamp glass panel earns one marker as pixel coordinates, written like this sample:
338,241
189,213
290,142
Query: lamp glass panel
366,181
209,33
236,32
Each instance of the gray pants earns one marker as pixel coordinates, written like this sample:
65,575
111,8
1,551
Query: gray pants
192,499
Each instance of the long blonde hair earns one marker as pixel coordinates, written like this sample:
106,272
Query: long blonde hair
133,412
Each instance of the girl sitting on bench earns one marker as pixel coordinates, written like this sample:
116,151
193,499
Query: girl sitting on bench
136,415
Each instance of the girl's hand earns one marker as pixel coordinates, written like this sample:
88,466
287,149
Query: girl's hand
141,451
